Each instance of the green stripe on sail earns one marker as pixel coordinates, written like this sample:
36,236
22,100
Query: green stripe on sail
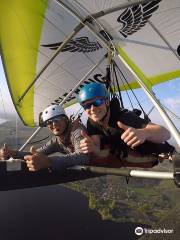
149,81
20,31
132,85
164,77
153,79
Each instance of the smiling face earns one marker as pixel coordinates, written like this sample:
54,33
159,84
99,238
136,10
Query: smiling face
58,125
96,108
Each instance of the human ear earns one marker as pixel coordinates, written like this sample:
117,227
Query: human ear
107,102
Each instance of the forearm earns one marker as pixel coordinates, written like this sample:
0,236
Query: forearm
46,150
20,154
59,162
156,133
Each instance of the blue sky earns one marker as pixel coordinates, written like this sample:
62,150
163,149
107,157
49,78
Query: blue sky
168,93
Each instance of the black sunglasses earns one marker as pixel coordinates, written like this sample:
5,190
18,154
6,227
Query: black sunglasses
96,103
54,120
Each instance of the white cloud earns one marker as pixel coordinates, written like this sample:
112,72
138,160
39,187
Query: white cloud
174,85
173,103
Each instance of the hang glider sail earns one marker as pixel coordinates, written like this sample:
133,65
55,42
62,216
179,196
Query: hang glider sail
146,35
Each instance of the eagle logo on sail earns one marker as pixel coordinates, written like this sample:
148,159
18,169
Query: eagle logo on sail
81,44
136,17
178,50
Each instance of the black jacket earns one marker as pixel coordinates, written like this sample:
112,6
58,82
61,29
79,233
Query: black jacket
111,136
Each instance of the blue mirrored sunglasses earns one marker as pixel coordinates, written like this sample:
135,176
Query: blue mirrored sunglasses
96,103
54,120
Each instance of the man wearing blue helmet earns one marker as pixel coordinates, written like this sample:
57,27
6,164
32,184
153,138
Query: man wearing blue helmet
117,128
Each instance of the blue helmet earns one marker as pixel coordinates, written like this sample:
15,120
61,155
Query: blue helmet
92,90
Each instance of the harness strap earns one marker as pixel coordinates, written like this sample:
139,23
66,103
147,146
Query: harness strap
110,160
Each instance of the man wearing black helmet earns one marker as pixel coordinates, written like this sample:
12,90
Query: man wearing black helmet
66,140
118,128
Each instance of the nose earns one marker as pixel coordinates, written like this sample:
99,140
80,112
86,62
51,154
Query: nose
92,107
54,123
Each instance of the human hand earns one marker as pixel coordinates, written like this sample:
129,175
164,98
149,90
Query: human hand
5,152
87,144
133,137
36,161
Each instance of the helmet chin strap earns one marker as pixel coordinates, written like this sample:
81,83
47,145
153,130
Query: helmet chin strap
66,128
107,110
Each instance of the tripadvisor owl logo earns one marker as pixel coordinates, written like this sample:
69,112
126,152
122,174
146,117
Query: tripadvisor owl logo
139,231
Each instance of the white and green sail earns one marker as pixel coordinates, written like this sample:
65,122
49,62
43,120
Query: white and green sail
146,36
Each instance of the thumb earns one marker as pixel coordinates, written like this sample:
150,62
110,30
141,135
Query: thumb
122,125
84,134
33,150
5,146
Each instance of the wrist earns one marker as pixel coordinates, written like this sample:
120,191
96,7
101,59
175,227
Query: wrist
147,134
13,153
96,150
143,135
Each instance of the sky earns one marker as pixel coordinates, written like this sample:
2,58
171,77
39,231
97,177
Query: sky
6,107
167,93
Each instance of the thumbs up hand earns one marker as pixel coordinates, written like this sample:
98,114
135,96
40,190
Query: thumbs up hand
6,152
87,144
132,136
85,135
33,150
122,126
37,160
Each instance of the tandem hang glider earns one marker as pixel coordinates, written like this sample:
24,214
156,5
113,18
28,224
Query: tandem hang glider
51,48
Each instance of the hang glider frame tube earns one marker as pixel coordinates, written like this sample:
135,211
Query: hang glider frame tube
86,24
67,96
126,172
67,39
14,165
164,39
120,7
156,103
83,22
164,115
126,5
114,9
150,94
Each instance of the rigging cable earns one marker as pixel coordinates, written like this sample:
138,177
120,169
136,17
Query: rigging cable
119,90
174,115
126,92
145,115
77,113
19,144
171,112
40,140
